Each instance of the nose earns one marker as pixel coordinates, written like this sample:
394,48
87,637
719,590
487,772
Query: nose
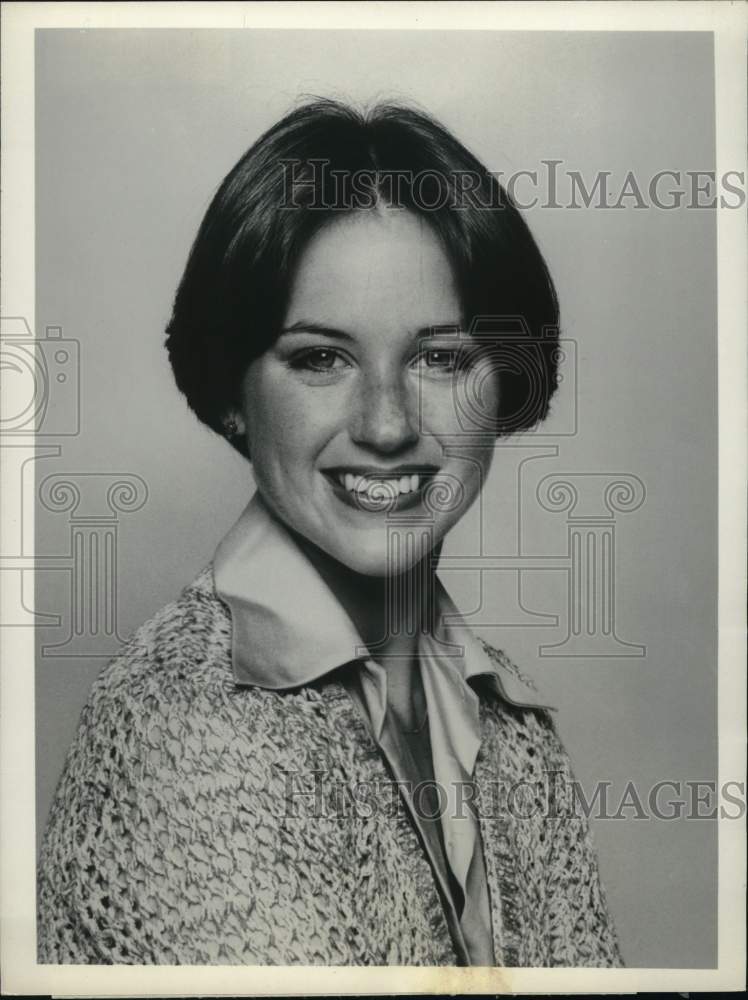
384,416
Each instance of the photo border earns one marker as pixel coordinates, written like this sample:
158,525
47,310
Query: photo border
21,974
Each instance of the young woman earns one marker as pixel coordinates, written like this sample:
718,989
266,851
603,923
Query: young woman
308,757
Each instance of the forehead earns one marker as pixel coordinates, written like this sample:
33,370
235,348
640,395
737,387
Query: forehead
384,266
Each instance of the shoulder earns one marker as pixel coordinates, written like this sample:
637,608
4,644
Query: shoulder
172,673
163,710
186,643
503,662
523,713
171,689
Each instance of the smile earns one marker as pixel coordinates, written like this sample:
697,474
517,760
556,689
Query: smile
385,484
380,491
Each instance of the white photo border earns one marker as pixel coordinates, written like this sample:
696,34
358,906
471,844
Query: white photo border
727,22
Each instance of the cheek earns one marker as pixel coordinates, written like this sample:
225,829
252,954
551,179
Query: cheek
467,406
479,395
437,409
469,469
287,424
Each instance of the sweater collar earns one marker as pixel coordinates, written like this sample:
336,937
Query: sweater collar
289,629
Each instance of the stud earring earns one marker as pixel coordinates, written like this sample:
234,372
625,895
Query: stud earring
230,427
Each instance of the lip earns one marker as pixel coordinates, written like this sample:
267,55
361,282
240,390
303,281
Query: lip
379,471
404,501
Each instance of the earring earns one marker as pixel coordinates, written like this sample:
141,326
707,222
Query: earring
230,427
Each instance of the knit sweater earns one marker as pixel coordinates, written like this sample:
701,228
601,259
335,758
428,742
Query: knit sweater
200,822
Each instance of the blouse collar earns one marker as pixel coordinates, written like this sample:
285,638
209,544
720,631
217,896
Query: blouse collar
289,629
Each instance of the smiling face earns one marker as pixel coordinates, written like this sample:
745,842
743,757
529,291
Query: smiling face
348,415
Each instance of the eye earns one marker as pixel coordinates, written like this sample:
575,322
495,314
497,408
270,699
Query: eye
319,359
440,360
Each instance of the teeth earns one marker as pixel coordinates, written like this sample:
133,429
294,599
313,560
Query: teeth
362,484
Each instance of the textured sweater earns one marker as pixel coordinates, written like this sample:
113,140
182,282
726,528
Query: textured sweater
201,822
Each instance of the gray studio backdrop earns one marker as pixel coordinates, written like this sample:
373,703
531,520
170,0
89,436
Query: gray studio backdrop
135,129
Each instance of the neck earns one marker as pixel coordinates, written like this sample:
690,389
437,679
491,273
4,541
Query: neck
389,612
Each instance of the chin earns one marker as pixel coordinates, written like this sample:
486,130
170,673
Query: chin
407,550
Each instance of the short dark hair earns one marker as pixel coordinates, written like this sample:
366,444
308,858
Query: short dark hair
325,158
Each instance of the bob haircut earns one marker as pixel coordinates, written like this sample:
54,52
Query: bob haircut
325,158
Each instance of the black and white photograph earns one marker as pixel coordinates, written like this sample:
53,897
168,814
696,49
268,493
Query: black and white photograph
373,549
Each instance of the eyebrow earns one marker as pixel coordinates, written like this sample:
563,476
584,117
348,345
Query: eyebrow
304,326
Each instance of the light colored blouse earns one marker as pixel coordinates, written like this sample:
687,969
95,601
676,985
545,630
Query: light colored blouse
289,629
